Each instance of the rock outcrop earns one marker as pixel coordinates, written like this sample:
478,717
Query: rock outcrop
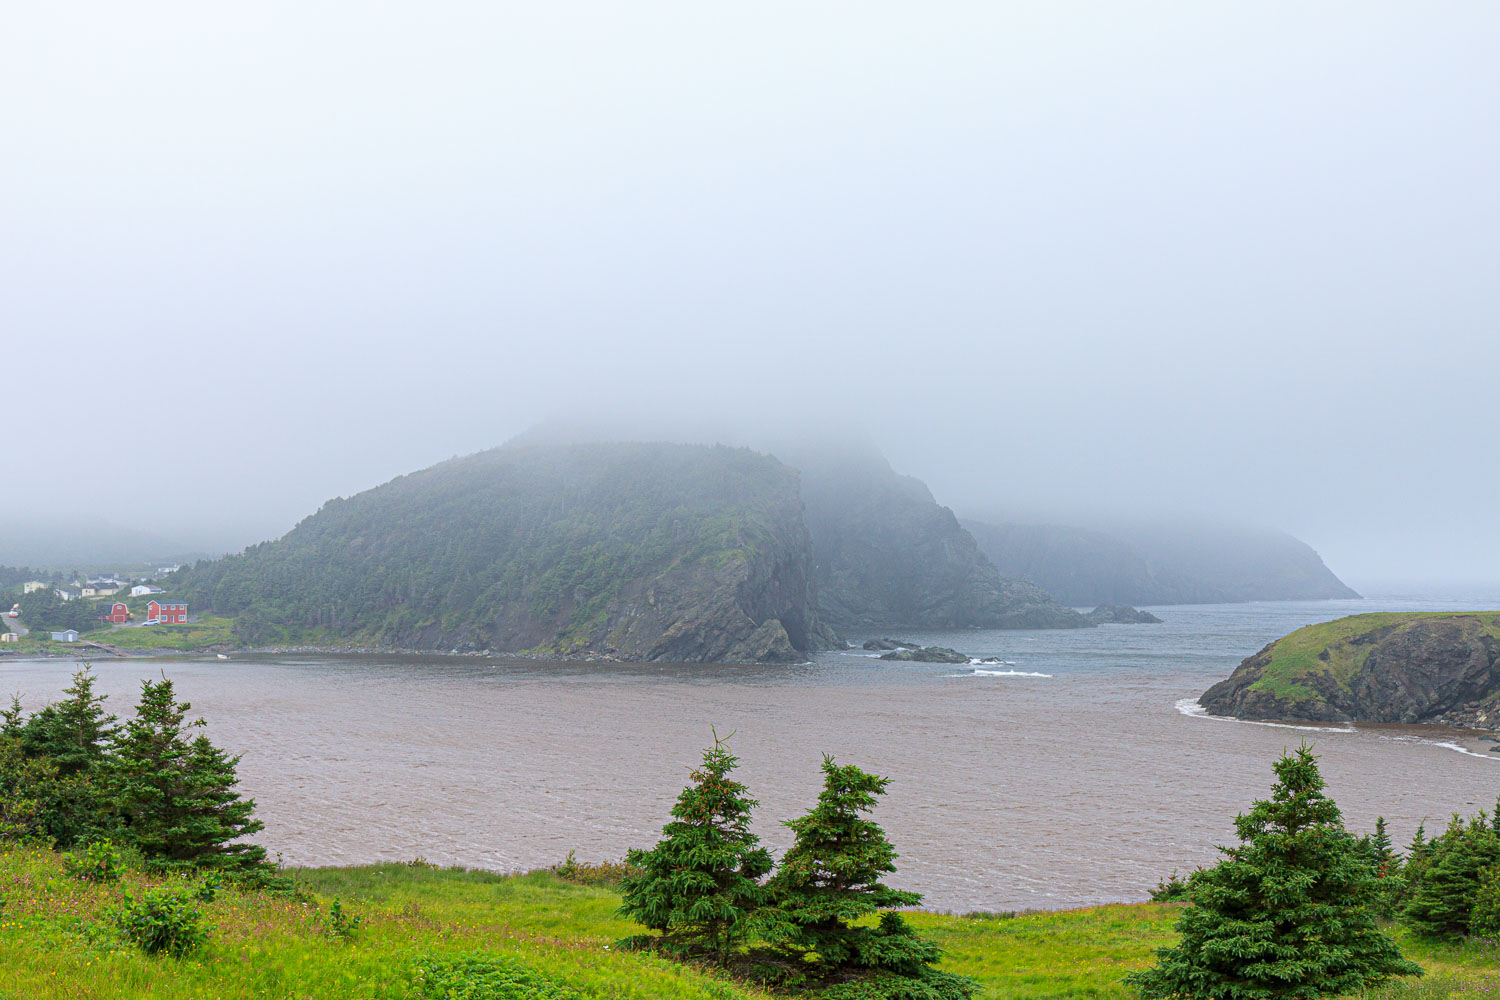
874,644
1121,614
1392,667
926,654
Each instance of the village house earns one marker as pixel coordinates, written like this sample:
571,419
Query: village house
10,637
67,635
66,595
142,589
166,612
32,586
118,613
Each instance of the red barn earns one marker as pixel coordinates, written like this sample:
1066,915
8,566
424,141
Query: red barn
117,613
167,612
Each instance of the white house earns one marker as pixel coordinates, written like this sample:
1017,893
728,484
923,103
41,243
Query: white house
9,637
65,595
32,586
142,589
67,635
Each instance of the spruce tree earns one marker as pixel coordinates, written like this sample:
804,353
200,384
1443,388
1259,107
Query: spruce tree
831,877
79,733
1286,913
175,794
1382,855
1444,889
699,885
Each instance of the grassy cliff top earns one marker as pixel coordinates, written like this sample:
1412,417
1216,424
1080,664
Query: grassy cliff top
1338,648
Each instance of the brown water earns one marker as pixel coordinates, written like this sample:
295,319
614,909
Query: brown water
1008,790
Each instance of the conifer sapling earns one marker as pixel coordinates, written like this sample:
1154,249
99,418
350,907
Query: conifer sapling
1286,913
699,885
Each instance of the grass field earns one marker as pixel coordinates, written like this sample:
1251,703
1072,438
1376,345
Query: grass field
195,635
55,943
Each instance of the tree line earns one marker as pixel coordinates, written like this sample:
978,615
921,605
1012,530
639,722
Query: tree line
71,774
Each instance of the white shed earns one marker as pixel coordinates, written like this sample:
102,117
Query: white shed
67,635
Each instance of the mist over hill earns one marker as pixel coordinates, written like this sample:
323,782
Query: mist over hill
641,552
1159,563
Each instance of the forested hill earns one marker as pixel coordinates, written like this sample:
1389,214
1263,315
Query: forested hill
651,552
1181,563
889,555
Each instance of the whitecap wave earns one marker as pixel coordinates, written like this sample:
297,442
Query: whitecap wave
1190,706
976,662
1004,673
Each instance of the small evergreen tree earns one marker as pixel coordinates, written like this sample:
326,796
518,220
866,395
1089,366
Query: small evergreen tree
77,733
831,877
175,795
699,885
1445,887
1382,855
1286,913
1388,870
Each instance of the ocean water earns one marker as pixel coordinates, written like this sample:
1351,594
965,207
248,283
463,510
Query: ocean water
1075,772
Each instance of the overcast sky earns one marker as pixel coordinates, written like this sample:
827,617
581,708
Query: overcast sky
1235,259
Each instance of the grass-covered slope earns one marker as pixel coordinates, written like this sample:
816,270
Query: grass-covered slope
56,944
638,551
1382,667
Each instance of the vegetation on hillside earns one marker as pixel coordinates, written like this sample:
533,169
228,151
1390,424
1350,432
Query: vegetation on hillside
509,549
1338,648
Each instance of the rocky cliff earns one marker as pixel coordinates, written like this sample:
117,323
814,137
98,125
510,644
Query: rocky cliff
887,554
1391,667
647,552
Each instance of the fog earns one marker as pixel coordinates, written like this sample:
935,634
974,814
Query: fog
1060,260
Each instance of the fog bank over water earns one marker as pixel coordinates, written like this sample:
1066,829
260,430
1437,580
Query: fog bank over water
1064,262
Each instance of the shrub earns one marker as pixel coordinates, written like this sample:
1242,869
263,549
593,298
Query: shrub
338,924
477,977
101,862
1446,883
1172,889
1484,918
165,919
602,873
928,984
208,887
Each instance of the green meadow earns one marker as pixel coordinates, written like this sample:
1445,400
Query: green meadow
56,941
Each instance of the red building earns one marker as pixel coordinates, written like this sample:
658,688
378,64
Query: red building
166,612
117,613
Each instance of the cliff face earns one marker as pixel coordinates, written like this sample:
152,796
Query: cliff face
1159,564
628,551
888,555
1399,667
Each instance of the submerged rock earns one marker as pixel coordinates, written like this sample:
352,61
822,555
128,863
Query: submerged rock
1121,614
